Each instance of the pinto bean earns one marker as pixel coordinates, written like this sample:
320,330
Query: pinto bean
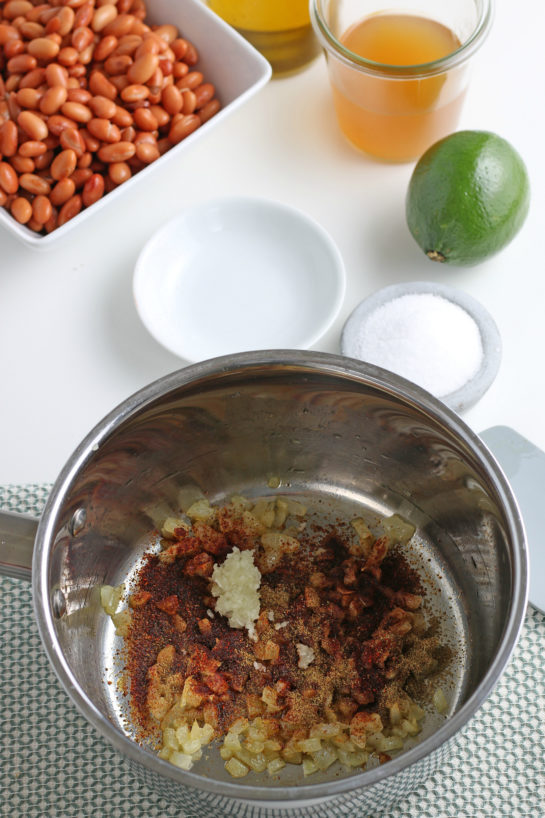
147,152
32,125
56,74
43,48
33,79
21,210
43,161
119,172
117,64
135,93
28,98
183,127
21,64
22,164
32,148
191,80
122,118
121,25
209,110
118,152
53,99
105,47
34,184
93,189
143,68
80,95
103,16
172,100
58,123
104,130
189,101
82,36
103,107
9,138
67,56
41,209
84,14
69,209
89,95
80,177
145,120
62,191
77,111
64,164
72,138
204,93
100,85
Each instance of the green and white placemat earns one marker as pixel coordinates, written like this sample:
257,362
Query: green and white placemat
54,765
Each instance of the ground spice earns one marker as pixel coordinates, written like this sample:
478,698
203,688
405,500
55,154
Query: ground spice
320,597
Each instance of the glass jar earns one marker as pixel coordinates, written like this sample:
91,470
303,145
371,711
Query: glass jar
279,29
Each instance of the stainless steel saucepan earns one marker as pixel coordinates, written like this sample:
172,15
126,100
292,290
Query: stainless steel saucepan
330,429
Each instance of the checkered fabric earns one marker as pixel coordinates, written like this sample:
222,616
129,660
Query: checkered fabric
54,765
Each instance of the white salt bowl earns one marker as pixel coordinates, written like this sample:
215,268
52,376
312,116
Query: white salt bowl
471,390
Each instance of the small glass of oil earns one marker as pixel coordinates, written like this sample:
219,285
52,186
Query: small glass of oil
399,70
279,29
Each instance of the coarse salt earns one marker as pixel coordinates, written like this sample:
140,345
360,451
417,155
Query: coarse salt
425,338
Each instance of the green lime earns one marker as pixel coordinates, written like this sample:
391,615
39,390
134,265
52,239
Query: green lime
468,196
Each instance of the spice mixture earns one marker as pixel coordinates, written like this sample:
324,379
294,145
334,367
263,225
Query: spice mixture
294,641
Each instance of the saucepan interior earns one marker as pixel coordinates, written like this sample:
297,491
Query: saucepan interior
345,438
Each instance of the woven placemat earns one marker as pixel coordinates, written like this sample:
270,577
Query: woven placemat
54,765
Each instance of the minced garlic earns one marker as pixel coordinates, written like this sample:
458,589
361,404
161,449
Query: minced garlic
235,583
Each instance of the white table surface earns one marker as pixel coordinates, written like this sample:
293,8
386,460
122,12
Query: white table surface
72,345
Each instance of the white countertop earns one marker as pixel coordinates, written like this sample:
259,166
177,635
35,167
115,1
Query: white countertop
73,346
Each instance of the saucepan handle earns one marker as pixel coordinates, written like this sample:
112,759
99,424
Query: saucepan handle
17,535
524,467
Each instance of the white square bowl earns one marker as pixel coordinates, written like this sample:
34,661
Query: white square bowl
218,45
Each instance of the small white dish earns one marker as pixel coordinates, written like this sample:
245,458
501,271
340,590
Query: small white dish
218,45
469,393
238,274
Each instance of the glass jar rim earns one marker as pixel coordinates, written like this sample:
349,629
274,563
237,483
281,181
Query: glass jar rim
461,54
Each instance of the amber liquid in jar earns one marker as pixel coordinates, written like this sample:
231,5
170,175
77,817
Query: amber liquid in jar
279,29
397,119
